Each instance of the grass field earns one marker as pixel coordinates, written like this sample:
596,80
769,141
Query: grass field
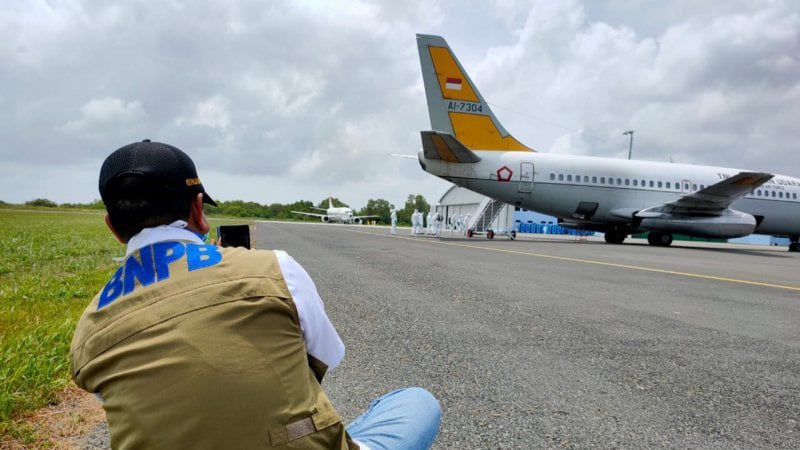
51,264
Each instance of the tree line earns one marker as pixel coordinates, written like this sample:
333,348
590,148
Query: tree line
278,211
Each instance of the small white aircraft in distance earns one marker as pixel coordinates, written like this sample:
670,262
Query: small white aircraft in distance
341,214
469,147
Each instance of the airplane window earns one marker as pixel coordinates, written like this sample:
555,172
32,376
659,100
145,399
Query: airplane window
602,180
794,196
677,186
561,177
586,178
758,192
569,177
627,182
669,186
594,179
552,176
619,181
659,184
780,194
635,182
577,178
773,194
651,183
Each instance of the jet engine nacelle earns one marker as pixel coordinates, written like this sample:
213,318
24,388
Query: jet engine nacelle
325,219
730,224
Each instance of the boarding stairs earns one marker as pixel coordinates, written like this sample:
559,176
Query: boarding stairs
485,215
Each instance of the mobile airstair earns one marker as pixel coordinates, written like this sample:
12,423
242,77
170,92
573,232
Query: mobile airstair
481,221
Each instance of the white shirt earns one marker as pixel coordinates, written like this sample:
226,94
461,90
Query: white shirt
322,341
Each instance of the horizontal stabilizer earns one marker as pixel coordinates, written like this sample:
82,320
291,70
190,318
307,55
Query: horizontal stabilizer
447,148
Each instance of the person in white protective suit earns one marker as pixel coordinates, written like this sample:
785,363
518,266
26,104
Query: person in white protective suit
466,222
394,221
460,224
429,230
421,223
414,219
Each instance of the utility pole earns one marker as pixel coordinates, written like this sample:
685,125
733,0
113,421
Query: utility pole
630,146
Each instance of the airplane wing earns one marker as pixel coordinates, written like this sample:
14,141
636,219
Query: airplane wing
309,214
713,199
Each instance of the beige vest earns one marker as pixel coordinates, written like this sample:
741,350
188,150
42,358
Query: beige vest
196,346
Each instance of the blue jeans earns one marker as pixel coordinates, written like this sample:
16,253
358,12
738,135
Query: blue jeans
403,419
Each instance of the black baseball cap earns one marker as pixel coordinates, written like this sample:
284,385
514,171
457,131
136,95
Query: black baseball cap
161,167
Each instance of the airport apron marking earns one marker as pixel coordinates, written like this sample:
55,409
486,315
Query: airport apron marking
607,264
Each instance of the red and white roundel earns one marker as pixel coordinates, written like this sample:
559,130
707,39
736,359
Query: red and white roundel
504,174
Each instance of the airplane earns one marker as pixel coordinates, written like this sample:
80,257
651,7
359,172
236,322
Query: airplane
469,147
340,214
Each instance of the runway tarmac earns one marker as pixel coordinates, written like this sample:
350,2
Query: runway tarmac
556,343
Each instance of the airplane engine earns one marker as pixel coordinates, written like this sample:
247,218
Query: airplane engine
325,219
730,224
358,221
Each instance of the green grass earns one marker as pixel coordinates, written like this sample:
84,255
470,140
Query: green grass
52,262
51,265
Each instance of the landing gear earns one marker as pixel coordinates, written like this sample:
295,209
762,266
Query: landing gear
659,238
489,234
615,236
794,244
470,233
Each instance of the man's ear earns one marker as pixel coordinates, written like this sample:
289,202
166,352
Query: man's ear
197,217
114,230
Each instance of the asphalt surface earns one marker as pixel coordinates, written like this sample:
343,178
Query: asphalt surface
553,343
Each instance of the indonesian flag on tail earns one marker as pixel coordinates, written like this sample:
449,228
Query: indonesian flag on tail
453,84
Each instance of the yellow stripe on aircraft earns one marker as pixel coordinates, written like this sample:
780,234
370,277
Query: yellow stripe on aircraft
446,67
480,133
445,154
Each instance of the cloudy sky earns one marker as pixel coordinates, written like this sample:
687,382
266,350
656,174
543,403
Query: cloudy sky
278,101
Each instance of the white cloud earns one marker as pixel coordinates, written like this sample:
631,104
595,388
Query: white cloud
211,112
283,100
99,115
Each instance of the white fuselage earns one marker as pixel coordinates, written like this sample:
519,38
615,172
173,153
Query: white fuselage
557,184
339,214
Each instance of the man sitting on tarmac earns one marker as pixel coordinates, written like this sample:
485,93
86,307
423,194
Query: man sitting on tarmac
190,345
